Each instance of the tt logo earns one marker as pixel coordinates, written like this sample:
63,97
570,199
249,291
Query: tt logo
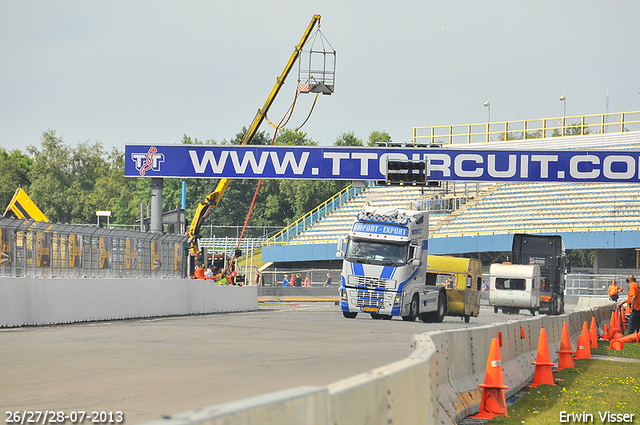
149,161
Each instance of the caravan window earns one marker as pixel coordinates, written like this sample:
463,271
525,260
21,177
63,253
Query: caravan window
511,284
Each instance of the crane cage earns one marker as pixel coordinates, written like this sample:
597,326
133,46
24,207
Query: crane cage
317,65
40,249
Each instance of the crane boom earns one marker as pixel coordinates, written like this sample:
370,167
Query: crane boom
212,199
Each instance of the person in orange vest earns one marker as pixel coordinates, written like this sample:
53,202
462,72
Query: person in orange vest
614,290
199,273
633,300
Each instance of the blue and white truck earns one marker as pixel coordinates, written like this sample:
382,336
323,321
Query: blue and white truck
384,269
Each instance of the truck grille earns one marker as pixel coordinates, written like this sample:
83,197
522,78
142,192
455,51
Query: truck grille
373,299
372,282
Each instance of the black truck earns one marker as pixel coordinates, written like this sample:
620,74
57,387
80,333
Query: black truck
547,251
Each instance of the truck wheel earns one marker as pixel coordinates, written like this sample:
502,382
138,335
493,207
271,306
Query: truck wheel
495,309
349,315
376,316
386,316
438,315
533,312
413,310
467,318
442,309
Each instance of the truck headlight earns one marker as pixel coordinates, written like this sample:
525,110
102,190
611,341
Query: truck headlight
397,300
343,295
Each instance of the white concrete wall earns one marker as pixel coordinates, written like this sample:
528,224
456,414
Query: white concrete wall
41,301
438,383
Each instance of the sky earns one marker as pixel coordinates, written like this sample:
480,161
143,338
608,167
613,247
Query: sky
148,72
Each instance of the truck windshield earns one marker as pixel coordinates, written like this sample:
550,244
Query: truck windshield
369,252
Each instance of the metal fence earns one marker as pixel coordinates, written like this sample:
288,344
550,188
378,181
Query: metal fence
593,285
40,249
274,276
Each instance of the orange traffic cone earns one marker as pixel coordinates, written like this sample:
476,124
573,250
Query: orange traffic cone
605,334
615,331
634,337
617,345
615,327
566,353
593,333
583,351
493,401
543,373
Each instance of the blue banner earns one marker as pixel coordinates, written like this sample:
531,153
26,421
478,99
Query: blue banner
359,163
380,229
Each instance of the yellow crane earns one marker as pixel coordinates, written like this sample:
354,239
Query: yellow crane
212,200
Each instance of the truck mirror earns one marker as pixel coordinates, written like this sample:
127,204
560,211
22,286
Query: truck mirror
417,262
339,252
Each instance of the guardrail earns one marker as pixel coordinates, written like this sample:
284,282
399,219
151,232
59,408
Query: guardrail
540,128
316,214
41,249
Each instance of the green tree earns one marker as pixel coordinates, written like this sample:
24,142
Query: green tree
15,167
294,138
348,139
378,138
575,129
51,176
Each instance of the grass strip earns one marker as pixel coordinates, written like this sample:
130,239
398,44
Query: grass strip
594,389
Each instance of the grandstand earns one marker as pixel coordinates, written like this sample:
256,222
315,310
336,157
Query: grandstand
478,217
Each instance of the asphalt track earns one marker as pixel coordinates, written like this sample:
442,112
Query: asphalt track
154,367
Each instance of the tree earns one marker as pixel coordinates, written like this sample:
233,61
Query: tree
51,176
15,167
379,138
294,138
348,139
575,129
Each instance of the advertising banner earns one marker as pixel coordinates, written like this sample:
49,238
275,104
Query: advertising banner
75,251
131,254
105,253
360,163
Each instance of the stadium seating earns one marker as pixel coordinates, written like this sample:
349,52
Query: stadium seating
461,209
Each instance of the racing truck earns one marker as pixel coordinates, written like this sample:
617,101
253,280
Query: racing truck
547,251
384,269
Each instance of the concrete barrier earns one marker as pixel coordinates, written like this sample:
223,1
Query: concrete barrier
438,383
42,301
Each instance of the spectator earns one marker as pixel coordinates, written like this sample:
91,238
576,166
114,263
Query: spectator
614,290
258,280
199,273
298,280
449,283
328,281
485,286
633,300
307,281
208,274
231,278
285,282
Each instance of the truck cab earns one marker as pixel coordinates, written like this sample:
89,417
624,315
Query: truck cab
384,267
